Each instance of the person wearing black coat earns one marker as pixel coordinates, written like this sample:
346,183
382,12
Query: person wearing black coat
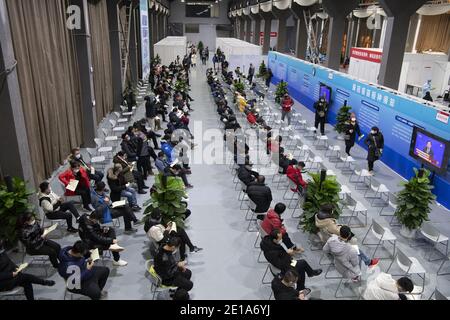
321,108
172,273
10,278
246,175
351,129
150,111
260,194
36,243
98,237
284,287
128,147
375,144
281,259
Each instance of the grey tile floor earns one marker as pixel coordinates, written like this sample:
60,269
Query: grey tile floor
228,268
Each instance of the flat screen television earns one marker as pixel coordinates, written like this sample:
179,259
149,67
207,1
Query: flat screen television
325,91
431,150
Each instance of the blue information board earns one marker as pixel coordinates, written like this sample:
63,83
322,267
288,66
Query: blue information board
394,114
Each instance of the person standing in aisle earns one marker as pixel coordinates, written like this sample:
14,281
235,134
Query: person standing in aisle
287,105
269,76
375,143
321,108
251,73
351,130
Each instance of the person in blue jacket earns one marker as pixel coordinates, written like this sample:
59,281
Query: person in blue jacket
92,278
167,148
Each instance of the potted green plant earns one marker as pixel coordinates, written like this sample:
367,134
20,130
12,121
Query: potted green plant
282,89
342,119
200,46
239,86
14,200
317,194
414,202
181,85
168,198
262,70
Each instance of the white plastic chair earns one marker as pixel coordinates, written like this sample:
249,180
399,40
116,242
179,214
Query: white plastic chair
378,191
321,142
155,280
13,293
409,266
433,235
273,270
382,234
354,208
334,153
363,177
345,164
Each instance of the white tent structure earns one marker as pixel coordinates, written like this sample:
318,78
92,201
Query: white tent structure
240,53
169,48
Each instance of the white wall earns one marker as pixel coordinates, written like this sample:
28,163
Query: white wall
207,25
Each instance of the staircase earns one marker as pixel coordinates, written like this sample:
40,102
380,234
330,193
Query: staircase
125,31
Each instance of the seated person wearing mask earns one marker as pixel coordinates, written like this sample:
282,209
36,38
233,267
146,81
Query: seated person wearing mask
347,258
273,221
83,189
294,173
35,240
93,174
172,273
55,208
97,237
160,233
122,159
282,259
10,278
120,188
93,278
261,195
283,287
382,286
103,203
246,174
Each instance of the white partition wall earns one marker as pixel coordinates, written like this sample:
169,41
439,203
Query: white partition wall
169,48
240,53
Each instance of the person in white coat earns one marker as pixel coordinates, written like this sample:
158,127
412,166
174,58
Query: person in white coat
194,59
382,286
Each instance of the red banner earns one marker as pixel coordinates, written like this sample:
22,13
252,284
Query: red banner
272,34
366,54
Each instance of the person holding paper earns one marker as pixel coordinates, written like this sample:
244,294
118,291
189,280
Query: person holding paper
93,278
34,238
11,276
347,257
55,208
294,173
282,258
161,233
351,129
83,189
93,174
129,170
101,202
172,273
120,188
97,237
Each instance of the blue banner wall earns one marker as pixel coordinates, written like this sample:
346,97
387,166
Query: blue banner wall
395,115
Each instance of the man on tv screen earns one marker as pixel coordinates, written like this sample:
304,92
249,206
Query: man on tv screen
429,151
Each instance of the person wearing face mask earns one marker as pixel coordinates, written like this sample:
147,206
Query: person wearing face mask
93,278
128,147
35,240
375,144
161,233
103,203
172,273
92,173
284,287
282,258
351,129
347,258
129,171
294,173
55,208
121,188
97,237
321,108
75,172
143,153
10,278
286,111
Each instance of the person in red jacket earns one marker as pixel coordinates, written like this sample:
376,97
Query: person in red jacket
273,221
294,173
287,103
75,172
251,118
